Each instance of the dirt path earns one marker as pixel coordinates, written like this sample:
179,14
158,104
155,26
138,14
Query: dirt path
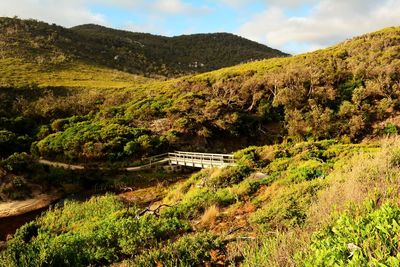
61,165
81,167
15,208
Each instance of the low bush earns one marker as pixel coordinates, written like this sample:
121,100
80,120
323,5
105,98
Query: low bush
229,176
390,129
18,162
367,240
306,171
288,207
190,250
99,231
14,187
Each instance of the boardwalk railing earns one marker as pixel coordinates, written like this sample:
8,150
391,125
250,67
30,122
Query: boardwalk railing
191,159
200,160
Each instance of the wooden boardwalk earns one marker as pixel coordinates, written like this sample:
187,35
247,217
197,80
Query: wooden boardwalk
181,158
200,160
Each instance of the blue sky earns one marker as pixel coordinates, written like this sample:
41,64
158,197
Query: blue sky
202,17
294,26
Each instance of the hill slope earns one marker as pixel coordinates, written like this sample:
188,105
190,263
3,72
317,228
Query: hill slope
176,55
348,91
314,203
136,53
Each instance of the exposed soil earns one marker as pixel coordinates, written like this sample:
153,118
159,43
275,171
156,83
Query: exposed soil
19,207
16,213
8,225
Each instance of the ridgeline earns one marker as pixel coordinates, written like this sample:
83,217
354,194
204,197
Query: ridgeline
136,53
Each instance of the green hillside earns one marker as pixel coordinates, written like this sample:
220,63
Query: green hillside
137,53
348,91
173,55
315,138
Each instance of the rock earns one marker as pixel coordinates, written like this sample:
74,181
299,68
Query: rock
258,176
352,248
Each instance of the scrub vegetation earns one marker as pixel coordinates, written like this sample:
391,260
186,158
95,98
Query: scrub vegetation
314,138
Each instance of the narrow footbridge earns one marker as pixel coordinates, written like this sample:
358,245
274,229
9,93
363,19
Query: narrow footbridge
190,159
200,160
181,158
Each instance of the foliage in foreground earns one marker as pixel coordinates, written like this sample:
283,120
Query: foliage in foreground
371,239
190,250
338,222
99,231
291,215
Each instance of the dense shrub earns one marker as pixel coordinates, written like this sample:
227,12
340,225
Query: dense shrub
367,240
306,171
98,231
99,141
17,162
11,142
190,250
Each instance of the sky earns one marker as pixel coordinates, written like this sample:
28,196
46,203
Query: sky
289,25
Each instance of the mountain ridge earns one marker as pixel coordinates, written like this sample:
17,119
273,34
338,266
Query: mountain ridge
136,53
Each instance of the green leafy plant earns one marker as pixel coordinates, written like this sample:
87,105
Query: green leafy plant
367,240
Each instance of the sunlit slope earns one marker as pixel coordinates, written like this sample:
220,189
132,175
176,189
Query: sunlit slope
18,73
356,81
348,91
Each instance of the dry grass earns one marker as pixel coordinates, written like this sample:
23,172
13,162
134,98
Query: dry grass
267,153
77,74
210,216
365,176
272,249
176,193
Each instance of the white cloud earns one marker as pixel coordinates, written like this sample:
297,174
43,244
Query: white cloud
236,3
177,7
328,22
67,13
290,3
152,25
75,12
276,3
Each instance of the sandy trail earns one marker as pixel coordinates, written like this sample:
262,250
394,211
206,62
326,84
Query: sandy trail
61,165
19,207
